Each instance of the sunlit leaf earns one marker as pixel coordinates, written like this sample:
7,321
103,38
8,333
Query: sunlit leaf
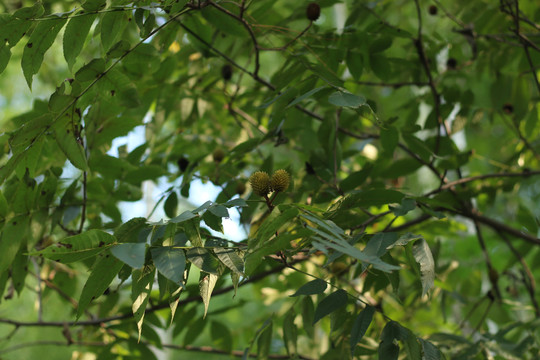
346,99
74,36
78,247
103,272
422,255
140,295
40,41
130,253
171,262
206,286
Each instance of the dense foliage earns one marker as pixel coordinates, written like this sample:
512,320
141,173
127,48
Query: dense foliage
381,157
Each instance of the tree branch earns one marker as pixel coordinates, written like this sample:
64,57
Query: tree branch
102,321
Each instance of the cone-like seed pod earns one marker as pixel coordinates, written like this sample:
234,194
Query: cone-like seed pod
240,188
313,11
280,181
218,155
260,182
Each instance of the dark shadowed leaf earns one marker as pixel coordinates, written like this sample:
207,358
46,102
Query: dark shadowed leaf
313,287
329,304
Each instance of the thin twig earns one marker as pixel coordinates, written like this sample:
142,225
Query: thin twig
247,26
83,209
451,184
530,285
284,47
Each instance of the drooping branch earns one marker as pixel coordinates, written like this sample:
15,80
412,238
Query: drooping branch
161,306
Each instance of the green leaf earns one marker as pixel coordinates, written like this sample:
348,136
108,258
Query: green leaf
346,248
273,223
401,167
279,243
411,344
406,205
74,36
379,243
33,11
91,71
422,255
7,169
12,29
13,235
388,349
340,98
313,287
103,272
27,134
360,326
117,85
264,341
290,333
19,268
214,222
429,351
171,204
94,5
405,239
305,96
355,63
329,226
78,247
230,259
389,139
192,229
223,22
140,294
221,336
130,253
129,231
5,55
171,262
40,41
3,205
238,202
527,219
112,25
329,304
186,215
219,210
203,259
65,138
206,286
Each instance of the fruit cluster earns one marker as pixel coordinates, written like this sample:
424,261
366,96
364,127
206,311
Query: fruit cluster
262,183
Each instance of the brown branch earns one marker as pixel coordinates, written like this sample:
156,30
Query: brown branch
249,30
50,342
83,210
203,349
526,43
394,85
451,184
284,47
235,353
492,273
496,225
531,284
418,43
409,224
